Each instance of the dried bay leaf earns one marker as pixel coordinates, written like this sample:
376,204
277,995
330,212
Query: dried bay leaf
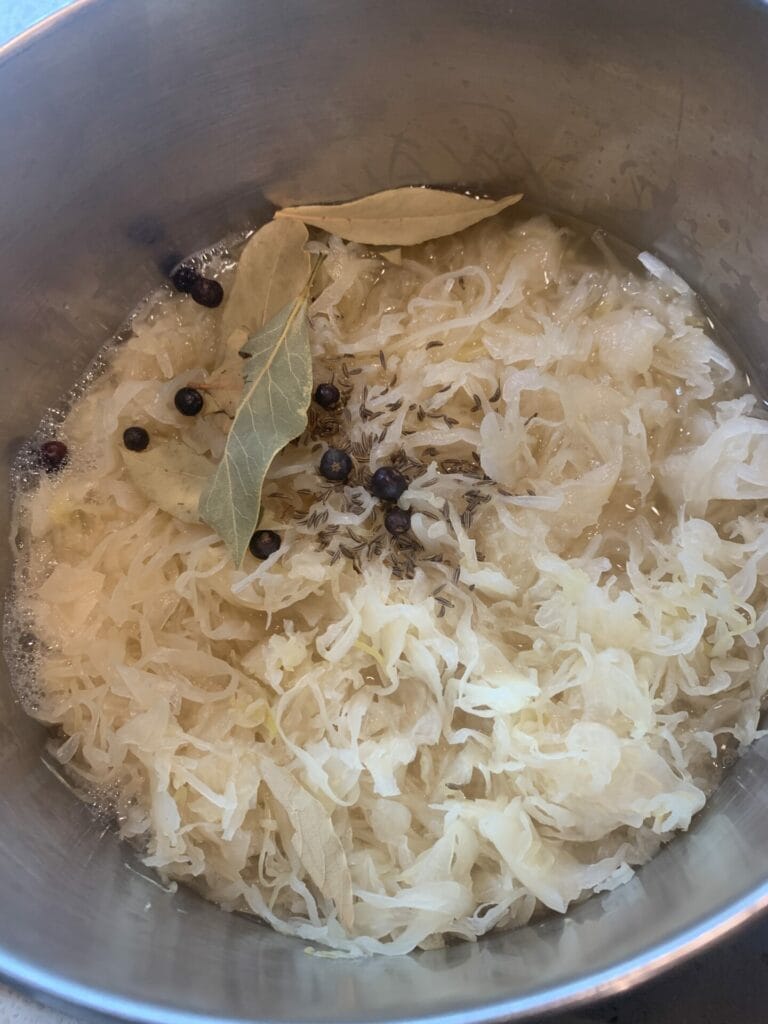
272,270
400,216
393,256
316,844
224,386
273,410
171,475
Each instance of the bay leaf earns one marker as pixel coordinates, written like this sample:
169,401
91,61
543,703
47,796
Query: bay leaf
272,270
393,256
273,410
171,475
224,385
400,216
314,839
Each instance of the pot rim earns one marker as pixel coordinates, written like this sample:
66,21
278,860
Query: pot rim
63,993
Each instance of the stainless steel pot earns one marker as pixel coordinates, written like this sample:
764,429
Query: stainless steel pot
131,129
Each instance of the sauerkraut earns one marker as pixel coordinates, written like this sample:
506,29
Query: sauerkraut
376,743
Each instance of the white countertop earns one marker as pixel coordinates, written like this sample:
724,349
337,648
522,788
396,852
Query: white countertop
15,1009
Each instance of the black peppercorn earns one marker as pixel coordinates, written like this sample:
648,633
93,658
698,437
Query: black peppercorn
264,543
135,439
207,292
184,277
397,521
387,484
53,455
327,396
335,465
188,401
